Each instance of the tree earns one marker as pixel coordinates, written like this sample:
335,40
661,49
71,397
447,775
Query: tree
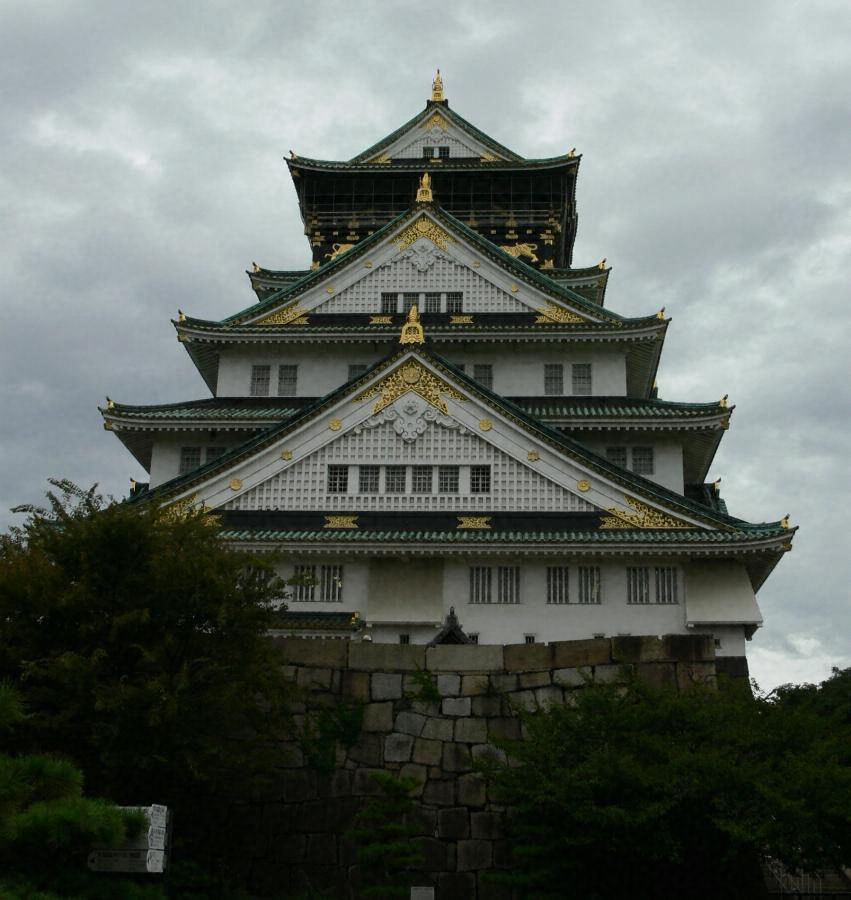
652,794
138,640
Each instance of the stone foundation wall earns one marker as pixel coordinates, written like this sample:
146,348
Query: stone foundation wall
298,836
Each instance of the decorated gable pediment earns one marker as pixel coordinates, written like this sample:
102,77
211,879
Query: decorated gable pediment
433,131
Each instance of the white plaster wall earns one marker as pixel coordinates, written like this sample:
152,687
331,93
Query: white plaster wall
668,455
355,586
720,594
165,454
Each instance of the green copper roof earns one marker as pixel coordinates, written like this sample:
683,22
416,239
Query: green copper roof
417,164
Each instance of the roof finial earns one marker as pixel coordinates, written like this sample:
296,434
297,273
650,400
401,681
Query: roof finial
602,264
181,315
723,401
110,404
412,330
437,87
571,153
784,522
424,193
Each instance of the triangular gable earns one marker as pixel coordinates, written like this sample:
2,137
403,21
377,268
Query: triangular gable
435,129
383,417
423,253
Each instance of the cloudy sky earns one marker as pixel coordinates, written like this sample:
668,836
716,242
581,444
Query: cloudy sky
140,170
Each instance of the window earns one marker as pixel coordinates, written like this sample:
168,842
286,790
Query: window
215,452
666,584
581,377
421,480
483,373
431,303
474,637
508,584
260,376
642,460
638,584
616,455
388,302
443,152
528,638
404,639
368,479
589,584
557,586
331,584
287,378
338,479
428,152
447,480
394,479
480,584
409,300
356,370
454,302
190,458
480,479
305,583
554,379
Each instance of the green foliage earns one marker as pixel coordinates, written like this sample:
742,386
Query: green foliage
646,793
384,837
425,687
324,729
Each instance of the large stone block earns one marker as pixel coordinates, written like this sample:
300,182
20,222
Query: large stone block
367,750
488,753
694,674
321,849
378,717
386,686
503,682
471,790
506,728
448,685
490,891
522,700
422,820
456,758
410,723
472,685
364,785
429,753
535,679
453,823
456,886
689,647
292,849
552,695
298,785
314,652
592,652
487,825
398,747
612,673
434,853
439,792
577,676
471,731
356,685
487,705
657,674
635,648
417,773
456,706
370,657
527,657
464,658
438,729
314,679
474,854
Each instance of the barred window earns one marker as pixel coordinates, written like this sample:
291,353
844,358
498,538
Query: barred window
421,480
480,479
215,452
190,458
616,455
389,302
589,584
642,460
431,303
480,584
554,379
394,479
454,301
305,583
443,152
331,584
287,379
557,584
581,377
483,373
637,584
260,377
404,639
447,480
428,152
338,479
368,479
666,584
508,584
409,300
356,370
528,638
474,637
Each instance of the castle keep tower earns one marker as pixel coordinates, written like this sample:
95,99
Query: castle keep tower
441,412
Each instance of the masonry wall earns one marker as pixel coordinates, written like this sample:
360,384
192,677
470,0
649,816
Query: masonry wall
297,837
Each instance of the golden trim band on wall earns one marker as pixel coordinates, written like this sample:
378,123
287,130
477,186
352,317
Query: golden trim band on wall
642,516
423,228
341,522
283,316
411,377
474,522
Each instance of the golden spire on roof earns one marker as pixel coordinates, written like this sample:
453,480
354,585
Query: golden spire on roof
424,193
437,87
412,330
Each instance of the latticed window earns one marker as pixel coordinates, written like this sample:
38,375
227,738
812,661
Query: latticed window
304,586
443,152
215,452
454,301
637,584
331,584
409,300
287,380
528,638
356,370
368,479
666,584
421,479
508,584
581,377
554,379
260,377
338,479
404,639
190,458
642,460
394,479
557,584
447,480
389,302
480,479
431,304
616,455
474,637
428,152
483,373
589,584
480,584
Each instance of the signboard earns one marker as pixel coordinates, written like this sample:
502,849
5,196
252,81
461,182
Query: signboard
422,893
152,861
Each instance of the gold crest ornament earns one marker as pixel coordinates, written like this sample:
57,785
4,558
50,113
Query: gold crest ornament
424,192
412,330
437,87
